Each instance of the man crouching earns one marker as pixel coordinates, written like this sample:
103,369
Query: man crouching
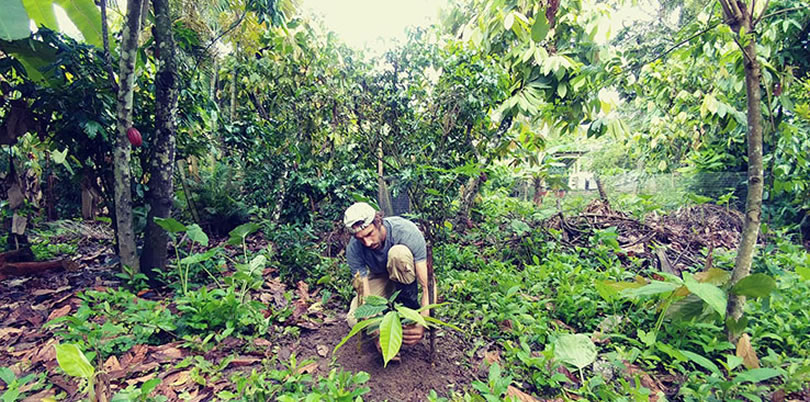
386,255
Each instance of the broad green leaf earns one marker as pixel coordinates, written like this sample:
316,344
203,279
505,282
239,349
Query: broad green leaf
376,300
508,21
73,361
672,352
803,272
149,386
712,295
437,322
756,375
412,315
654,288
368,310
87,18
754,285
702,361
41,11
390,336
196,234
519,227
34,57
14,22
258,262
197,258
170,225
240,232
355,329
430,307
609,289
540,27
575,349
59,157
7,376
715,276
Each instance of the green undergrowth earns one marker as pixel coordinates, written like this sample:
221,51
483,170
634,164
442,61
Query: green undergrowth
516,290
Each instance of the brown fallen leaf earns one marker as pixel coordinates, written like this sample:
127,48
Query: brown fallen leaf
141,379
520,395
112,364
322,350
178,379
60,312
168,353
746,351
492,356
41,395
303,290
306,369
42,292
9,331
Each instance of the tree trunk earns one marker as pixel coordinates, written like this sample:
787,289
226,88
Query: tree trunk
121,151
739,16
161,191
233,97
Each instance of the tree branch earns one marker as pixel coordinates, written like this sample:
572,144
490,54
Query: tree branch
677,45
775,13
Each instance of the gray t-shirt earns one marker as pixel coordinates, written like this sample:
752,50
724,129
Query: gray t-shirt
398,231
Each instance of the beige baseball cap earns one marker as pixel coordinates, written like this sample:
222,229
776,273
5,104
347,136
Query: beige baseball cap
358,216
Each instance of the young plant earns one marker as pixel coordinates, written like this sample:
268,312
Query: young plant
390,323
14,386
75,364
196,236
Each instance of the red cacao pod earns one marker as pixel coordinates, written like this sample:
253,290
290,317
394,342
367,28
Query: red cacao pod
134,136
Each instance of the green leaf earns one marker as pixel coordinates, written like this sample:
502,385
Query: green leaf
41,11
702,361
755,285
197,258
390,336
196,234
7,375
355,329
540,27
149,386
712,295
14,22
34,57
170,225
437,322
575,349
238,234
654,288
756,375
73,361
803,272
87,18
412,315
368,310
376,300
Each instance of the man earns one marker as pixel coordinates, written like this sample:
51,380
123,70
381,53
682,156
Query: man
386,255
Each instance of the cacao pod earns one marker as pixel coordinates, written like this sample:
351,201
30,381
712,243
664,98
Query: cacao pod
134,136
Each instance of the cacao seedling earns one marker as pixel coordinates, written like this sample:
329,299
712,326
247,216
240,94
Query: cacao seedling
134,136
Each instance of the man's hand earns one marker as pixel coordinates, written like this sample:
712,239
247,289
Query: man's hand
412,334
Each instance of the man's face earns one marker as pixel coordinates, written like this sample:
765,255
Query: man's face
371,237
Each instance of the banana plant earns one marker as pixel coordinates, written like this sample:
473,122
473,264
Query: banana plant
379,313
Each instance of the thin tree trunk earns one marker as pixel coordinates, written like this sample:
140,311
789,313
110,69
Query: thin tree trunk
121,152
739,16
161,167
233,97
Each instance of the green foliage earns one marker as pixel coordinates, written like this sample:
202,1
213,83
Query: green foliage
291,384
75,364
14,385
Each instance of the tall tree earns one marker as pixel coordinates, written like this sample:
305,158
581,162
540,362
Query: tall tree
160,193
740,17
121,152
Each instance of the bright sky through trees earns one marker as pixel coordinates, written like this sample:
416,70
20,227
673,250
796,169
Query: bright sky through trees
374,23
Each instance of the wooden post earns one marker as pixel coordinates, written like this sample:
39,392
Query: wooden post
431,297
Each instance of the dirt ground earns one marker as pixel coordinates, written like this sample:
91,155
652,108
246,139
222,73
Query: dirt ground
409,380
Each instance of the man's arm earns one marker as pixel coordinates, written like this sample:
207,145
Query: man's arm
420,269
413,333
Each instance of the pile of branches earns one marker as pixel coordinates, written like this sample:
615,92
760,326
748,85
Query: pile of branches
679,241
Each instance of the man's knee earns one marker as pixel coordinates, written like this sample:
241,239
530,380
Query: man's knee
400,264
